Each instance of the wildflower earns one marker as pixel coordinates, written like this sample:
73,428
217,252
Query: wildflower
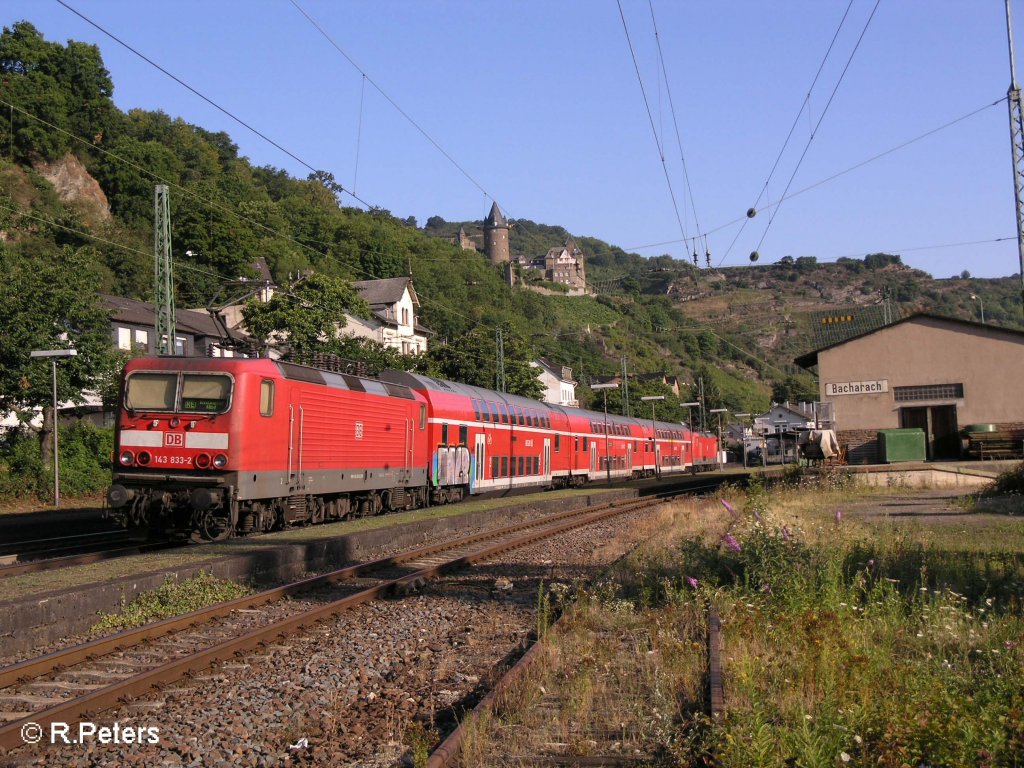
1009,644
731,543
785,533
766,588
839,516
871,562
730,507
844,757
691,581
858,739
988,601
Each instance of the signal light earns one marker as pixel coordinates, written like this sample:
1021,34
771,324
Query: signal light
126,457
143,458
203,460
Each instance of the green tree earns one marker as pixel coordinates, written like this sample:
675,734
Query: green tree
308,317
473,360
50,301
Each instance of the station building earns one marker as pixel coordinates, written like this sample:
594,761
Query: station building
936,373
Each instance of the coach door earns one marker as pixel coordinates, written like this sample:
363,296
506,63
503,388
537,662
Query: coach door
657,457
295,434
481,458
593,456
545,469
629,459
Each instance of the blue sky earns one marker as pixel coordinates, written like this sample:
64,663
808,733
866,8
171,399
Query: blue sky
540,105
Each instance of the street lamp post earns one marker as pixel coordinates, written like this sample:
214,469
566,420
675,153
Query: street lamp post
654,430
54,354
719,411
743,439
689,425
607,449
982,302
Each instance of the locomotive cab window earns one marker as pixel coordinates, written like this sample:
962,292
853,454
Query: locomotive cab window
267,397
150,391
205,393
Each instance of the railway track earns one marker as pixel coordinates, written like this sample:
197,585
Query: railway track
76,550
78,682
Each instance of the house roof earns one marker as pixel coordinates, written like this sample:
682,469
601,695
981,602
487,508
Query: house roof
134,312
810,359
495,218
387,291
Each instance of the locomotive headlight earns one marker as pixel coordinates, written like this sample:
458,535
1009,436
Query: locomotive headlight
126,457
220,461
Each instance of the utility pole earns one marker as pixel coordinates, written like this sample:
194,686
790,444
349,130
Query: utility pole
500,344
164,275
1017,148
625,389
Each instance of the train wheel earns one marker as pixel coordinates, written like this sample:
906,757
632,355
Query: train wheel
210,527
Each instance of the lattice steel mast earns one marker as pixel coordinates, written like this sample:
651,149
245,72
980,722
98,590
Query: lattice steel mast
164,275
1017,146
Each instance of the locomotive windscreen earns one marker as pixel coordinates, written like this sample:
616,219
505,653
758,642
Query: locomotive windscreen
195,393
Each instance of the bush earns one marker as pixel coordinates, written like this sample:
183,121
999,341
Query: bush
85,453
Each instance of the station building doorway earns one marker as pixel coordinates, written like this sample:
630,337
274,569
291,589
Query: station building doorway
942,438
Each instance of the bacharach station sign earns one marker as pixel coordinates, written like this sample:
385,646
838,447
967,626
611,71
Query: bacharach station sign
857,388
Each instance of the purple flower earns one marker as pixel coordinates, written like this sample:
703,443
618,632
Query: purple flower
731,543
839,516
785,533
728,506
871,562
766,588
691,581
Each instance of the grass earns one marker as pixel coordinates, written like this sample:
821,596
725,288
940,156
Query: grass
848,639
172,598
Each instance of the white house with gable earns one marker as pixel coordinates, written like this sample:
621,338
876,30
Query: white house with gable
393,315
559,386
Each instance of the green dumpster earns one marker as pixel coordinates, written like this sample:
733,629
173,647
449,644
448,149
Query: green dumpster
901,445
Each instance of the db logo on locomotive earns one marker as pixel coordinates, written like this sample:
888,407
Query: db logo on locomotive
174,440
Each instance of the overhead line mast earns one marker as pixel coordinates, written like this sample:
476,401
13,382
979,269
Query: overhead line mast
1017,147
163,275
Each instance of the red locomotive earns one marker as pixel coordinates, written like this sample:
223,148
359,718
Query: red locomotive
222,446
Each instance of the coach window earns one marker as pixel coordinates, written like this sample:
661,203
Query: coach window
494,467
584,443
504,413
266,398
444,434
423,416
558,443
522,460
463,435
504,466
476,410
494,412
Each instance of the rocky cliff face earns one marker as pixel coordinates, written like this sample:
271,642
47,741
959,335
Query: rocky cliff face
75,186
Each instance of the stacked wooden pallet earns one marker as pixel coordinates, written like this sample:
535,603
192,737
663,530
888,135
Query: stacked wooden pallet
1004,444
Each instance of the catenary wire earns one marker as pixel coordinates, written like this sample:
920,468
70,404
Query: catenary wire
796,120
675,120
650,117
838,174
393,103
817,125
202,96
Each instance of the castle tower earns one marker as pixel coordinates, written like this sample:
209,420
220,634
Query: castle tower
496,236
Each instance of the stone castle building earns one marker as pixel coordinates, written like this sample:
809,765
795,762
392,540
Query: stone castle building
496,236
